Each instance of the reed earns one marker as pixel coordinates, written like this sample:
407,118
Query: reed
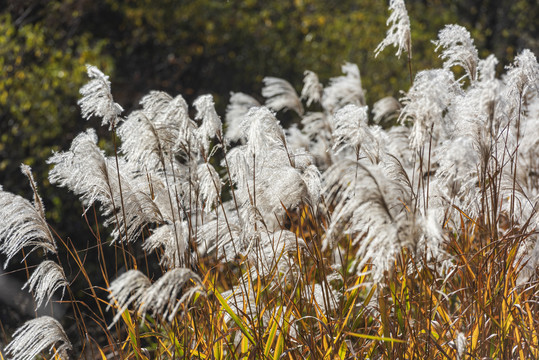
339,237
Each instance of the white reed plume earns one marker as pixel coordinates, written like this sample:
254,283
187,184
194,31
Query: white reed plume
429,244
97,98
296,139
271,254
315,125
209,186
318,129
312,178
523,74
238,161
398,34
352,130
344,90
153,135
36,336
373,211
86,171
487,68
280,95
140,141
530,139
45,280
459,344
530,259
173,239
125,290
160,298
339,181
38,202
298,157
237,108
398,145
241,299
211,123
312,89
222,238
23,224
385,110
425,103
278,188
262,130
459,49
172,120
458,161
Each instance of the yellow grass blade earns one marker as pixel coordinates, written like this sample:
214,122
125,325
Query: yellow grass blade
273,331
377,338
103,356
280,340
234,317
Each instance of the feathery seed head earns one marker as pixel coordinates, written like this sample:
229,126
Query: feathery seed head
86,171
344,90
222,238
173,238
38,202
127,289
160,297
460,345
351,128
156,133
211,123
523,74
277,189
270,254
236,110
22,225
97,98
262,130
312,178
209,185
398,34
459,49
316,294
281,95
46,279
425,102
386,109
296,139
312,89
487,68
36,336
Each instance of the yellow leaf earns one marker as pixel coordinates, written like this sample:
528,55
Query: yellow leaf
234,317
103,356
475,336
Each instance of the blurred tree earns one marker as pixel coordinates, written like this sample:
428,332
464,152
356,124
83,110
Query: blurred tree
503,28
42,70
221,46
42,64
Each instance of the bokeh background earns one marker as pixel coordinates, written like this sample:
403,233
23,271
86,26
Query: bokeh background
194,47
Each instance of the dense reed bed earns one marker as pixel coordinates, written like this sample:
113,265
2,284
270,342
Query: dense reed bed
405,231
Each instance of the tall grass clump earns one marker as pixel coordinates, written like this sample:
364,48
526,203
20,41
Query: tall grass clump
338,237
